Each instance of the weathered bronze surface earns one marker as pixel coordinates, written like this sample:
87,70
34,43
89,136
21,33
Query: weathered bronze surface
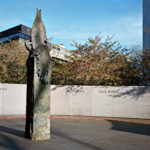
38,83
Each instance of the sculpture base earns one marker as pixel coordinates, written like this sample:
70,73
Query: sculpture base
41,127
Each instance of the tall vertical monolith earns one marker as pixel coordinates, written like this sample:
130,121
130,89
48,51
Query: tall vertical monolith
38,83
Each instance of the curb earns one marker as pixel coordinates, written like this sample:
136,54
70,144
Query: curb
144,121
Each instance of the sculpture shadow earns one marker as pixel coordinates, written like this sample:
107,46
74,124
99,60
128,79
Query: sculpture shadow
8,142
131,127
12,131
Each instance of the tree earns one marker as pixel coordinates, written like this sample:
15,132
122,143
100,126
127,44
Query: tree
96,62
99,63
12,65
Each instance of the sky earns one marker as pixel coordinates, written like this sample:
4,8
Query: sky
77,20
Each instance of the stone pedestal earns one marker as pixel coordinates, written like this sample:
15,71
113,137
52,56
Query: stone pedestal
38,104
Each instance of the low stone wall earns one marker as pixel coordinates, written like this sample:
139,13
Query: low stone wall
124,101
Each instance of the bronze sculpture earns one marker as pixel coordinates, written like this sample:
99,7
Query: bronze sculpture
38,83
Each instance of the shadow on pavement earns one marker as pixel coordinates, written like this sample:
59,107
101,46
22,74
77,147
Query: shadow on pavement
138,128
82,143
12,131
11,143
8,142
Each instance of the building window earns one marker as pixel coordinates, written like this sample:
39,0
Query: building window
58,48
16,35
57,53
54,47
